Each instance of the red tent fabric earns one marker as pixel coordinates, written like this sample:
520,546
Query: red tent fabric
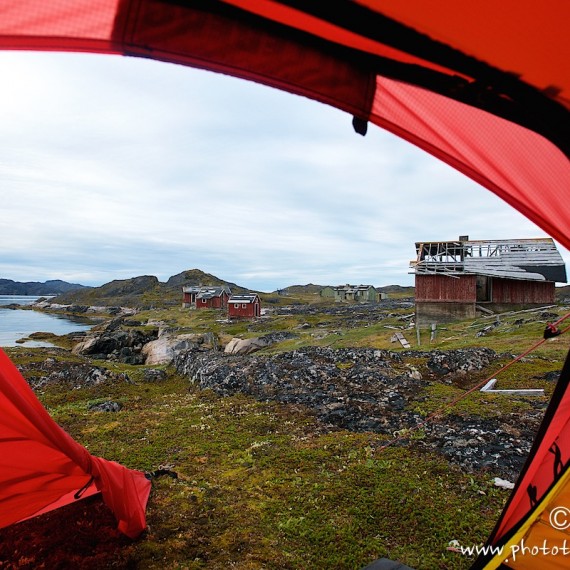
42,467
548,462
483,86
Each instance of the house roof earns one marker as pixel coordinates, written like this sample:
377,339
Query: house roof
247,298
353,287
211,292
527,259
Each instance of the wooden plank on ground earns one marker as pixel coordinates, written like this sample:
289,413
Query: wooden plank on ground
399,337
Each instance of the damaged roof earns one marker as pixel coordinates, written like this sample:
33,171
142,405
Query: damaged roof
352,288
529,259
211,292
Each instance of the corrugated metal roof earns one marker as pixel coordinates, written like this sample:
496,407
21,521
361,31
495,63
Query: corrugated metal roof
529,259
211,292
353,287
249,298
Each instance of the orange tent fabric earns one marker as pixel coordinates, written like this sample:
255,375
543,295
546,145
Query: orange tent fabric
483,86
42,467
486,88
541,489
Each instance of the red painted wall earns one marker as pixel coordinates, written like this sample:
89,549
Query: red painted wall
213,303
246,310
521,292
446,289
505,291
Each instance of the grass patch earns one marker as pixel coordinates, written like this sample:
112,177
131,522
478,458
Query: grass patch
262,485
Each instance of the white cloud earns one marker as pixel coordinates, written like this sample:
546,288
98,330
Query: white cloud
115,167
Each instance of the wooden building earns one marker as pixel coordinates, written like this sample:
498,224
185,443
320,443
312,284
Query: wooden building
205,297
347,293
246,306
189,296
454,279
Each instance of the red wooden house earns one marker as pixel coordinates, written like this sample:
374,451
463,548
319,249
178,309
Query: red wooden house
206,297
454,279
244,306
189,296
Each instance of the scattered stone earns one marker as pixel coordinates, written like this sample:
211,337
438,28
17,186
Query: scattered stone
503,483
154,375
460,361
73,375
106,407
552,376
366,390
486,330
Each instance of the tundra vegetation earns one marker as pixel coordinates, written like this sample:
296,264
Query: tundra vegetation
252,483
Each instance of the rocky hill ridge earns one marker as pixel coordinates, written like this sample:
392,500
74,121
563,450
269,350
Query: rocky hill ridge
144,291
36,288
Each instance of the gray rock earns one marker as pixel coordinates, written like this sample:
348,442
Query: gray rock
249,345
106,407
154,375
373,390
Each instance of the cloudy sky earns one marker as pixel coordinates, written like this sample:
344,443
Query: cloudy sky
114,167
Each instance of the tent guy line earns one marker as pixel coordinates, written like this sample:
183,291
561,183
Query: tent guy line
452,403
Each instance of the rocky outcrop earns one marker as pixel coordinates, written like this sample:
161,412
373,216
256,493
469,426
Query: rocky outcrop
352,388
87,310
72,375
373,390
249,345
458,362
114,343
169,344
124,341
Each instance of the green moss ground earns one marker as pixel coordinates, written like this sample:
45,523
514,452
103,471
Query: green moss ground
262,485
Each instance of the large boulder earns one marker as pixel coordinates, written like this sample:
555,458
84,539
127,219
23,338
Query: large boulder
245,345
117,344
249,345
168,345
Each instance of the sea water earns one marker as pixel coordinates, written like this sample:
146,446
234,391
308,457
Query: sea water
16,324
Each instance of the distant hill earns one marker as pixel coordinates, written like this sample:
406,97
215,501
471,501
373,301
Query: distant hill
145,291
310,288
35,288
300,289
562,293
394,289
397,291
199,278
